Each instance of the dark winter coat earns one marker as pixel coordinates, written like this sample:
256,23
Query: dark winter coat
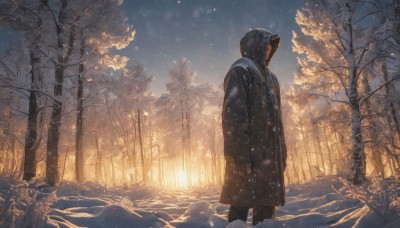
252,126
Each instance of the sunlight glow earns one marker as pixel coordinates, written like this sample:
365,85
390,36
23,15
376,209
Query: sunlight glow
181,179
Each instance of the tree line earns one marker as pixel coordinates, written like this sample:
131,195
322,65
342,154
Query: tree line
72,108
71,103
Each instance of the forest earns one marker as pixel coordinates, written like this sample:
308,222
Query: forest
75,109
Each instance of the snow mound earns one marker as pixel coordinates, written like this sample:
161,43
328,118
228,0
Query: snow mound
117,216
200,209
200,214
107,216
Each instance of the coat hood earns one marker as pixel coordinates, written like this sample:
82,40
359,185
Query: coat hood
253,45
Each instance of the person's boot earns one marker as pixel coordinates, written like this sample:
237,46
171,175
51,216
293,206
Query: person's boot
263,212
236,212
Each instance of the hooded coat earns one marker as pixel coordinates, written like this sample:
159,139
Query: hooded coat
252,126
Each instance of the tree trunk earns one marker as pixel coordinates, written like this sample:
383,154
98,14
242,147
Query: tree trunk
296,167
219,166
2,155
357,147
13,156
31,131
315,141
330,153
358,150
183,139
319,148
79,172
52,175
65,164
339,147
7,160
112,170
213,154
307,148
151,150
189,162
98,159
389,92
160,173
134,149
397,20
32,141
141,148
376,155
301,165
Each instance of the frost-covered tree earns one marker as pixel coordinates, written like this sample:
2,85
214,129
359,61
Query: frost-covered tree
134,86
64,20
69,21
127,98
335,48
27,17
102,27
179,112
14,68
178,103
383,106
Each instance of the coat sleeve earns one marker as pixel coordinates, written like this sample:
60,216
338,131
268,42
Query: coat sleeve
283,144
235,118
282,135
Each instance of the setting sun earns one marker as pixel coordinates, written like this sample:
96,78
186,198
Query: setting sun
181,179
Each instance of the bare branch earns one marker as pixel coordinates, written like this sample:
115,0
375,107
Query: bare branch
51,59
15,136
27,9
330,98
23,88
388,151
365,98
81,60
18,110
43,107
76,75
53,16
7,68
340,38
365,16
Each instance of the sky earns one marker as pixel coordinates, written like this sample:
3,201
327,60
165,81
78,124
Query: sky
207,33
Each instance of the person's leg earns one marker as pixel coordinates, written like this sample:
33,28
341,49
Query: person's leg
236,212
263,212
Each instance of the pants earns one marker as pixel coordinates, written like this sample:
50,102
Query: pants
259,213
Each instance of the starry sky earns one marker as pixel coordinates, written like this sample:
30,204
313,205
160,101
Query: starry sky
207,33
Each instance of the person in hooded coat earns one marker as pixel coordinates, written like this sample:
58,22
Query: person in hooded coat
254,142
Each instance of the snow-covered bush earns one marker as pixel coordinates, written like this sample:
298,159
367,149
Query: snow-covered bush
25,205
379,195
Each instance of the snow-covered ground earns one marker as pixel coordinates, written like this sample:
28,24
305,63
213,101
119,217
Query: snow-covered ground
328,202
